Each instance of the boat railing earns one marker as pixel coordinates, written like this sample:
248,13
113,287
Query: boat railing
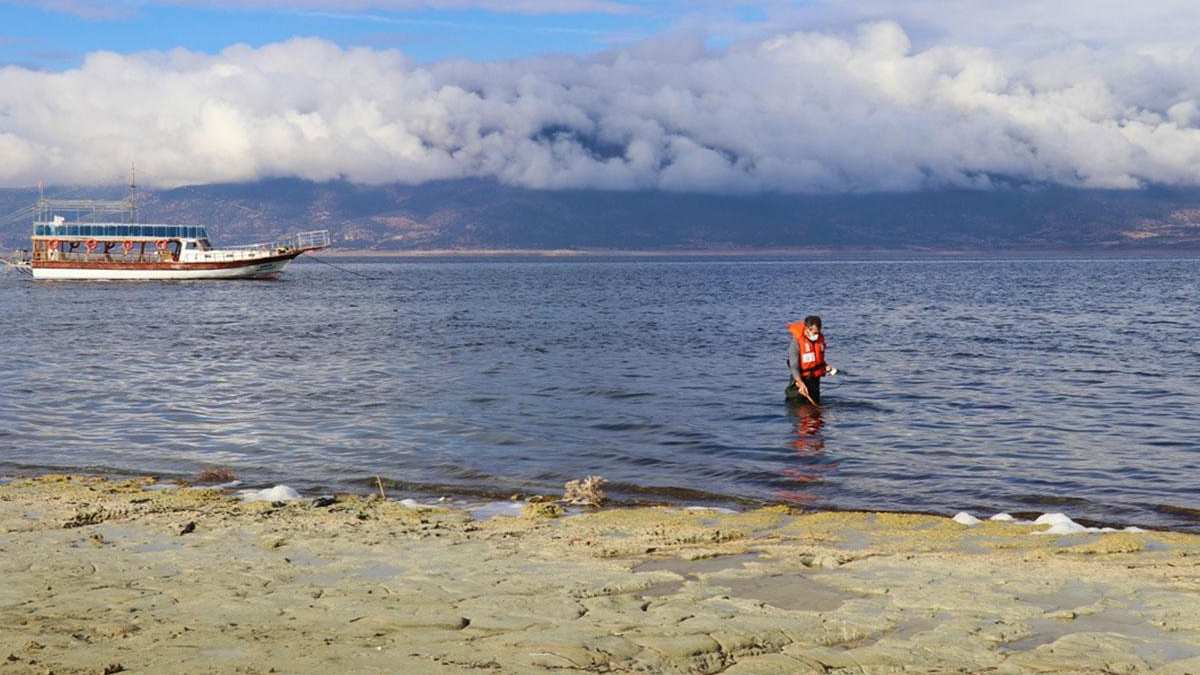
19,261
301,241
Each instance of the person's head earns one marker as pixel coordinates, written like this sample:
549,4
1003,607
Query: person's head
812,326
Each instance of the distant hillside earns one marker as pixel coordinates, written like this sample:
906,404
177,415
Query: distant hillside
474,214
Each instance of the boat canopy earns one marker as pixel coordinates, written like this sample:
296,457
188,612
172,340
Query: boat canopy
118,231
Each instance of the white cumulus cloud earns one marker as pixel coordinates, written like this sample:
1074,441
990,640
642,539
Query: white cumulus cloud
860,107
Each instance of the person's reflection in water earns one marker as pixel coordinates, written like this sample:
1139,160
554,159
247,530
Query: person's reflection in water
809,445
808,439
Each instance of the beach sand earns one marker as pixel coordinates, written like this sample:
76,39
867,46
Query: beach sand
112,576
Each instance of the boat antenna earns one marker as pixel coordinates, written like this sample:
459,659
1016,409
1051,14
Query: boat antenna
132,193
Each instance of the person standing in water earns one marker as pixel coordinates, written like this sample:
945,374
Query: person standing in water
806,361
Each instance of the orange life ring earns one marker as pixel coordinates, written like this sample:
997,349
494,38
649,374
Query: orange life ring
161,244
53,243
127,245
90,244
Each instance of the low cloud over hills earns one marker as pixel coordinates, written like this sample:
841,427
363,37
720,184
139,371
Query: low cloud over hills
484,214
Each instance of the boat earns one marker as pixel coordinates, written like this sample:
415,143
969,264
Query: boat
81,240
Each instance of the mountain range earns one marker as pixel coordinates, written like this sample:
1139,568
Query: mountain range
483,214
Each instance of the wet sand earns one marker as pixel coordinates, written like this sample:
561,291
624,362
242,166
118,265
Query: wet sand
104,575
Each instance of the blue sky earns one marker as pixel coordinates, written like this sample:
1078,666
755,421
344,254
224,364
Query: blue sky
35,35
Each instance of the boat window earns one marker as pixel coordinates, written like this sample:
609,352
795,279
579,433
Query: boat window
39,230
203,233
191,245
72,230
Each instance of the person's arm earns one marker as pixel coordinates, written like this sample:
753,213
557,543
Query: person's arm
794,362
794,366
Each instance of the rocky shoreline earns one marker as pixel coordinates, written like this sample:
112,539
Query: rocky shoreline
124,576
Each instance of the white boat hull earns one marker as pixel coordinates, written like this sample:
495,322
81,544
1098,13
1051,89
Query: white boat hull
175,272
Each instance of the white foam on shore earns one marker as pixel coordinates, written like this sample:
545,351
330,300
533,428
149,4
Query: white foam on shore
279,493
714,509
414,504
489,510
1059,523
161,485
964,518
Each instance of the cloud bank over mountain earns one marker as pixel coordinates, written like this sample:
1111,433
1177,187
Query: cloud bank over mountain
923,103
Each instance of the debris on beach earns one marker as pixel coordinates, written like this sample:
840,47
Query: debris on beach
585,492
85,517
542,510
215,475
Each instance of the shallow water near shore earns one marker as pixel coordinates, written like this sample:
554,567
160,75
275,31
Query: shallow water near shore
984,385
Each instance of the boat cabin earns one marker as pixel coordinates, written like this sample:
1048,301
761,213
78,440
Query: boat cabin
118,242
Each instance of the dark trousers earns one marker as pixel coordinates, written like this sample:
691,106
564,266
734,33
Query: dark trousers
814,390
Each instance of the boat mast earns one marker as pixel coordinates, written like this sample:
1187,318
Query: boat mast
132,193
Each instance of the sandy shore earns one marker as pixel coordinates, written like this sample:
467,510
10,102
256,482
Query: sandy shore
99,575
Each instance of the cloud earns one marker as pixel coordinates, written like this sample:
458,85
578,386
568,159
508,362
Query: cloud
848,109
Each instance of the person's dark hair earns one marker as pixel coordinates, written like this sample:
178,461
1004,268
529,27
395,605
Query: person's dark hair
813,321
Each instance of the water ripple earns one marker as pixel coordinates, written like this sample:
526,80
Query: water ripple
991,385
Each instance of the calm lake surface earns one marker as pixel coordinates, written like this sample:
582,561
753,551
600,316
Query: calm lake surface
985,385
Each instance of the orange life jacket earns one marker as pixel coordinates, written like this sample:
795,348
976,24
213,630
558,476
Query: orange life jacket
812,352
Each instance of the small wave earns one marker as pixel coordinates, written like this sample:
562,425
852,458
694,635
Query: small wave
1186,512
626,426
831,403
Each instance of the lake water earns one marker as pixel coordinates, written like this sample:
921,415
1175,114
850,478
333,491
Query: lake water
984,385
